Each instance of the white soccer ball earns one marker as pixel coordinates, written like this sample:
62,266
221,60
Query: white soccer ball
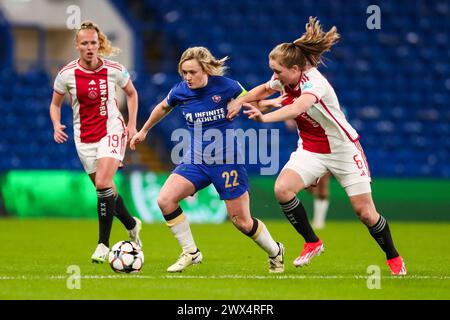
126,257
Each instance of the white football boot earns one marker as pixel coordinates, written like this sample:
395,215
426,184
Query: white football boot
134,233
185,260
276,264
100,254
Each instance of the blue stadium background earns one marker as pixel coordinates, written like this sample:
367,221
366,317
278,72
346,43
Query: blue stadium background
394,83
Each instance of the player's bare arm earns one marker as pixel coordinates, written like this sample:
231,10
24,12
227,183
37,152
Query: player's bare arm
269,104
258,93
290,111
161,110
132,102
55,114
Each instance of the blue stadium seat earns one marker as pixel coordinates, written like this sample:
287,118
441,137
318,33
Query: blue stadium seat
393,82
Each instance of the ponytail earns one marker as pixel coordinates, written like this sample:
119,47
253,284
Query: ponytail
308,48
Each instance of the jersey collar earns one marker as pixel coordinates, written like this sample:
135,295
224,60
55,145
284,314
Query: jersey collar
92,71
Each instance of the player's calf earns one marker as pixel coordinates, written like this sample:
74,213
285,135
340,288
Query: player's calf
260,234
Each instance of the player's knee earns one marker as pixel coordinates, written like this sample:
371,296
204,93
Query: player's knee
243,225
164,202
282,193
102,183
366,213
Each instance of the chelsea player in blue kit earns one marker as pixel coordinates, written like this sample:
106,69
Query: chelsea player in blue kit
203,96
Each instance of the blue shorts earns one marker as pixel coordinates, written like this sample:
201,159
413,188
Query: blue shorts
230,180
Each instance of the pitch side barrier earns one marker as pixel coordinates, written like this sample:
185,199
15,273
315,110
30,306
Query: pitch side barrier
69,194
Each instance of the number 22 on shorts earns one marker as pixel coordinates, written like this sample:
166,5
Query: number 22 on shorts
233,174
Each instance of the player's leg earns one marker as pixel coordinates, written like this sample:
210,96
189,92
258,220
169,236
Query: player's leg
377,225
231,182
352,171
239,213
321,201
176,188
117,141
106,204
88,154
301,171
132,224
287,185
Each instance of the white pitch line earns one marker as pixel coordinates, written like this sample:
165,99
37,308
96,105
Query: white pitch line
304,277
227,276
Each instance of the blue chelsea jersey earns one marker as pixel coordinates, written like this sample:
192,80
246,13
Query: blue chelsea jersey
206,108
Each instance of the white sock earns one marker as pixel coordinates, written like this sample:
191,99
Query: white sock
263,238
183,234
320,211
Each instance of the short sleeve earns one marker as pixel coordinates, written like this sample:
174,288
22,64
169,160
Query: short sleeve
60,85
314,86
173,98
275,84
238,89
123,77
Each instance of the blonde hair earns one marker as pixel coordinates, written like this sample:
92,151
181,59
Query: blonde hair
308,48
207,61
105,46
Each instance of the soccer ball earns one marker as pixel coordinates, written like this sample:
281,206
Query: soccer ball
126,257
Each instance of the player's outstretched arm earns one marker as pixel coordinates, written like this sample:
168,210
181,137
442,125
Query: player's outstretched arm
258,93
268,104
161,110
291,111
55,114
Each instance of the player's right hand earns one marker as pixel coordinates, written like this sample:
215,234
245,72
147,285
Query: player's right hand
59,135
233,107
137,138
253,113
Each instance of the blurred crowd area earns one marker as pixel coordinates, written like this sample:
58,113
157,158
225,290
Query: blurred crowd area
392,81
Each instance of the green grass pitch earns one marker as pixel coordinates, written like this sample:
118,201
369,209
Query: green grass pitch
35,256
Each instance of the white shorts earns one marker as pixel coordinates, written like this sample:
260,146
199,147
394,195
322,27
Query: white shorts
112,145
347,163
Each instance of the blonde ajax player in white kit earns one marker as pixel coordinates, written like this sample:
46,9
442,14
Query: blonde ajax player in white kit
100,133
327,142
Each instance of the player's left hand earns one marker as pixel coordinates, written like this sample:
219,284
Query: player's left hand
253,113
